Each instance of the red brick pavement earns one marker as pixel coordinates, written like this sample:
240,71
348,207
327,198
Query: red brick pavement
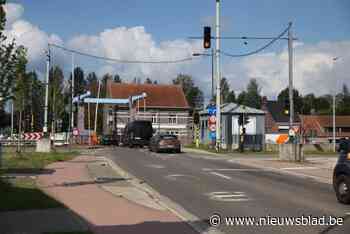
105,213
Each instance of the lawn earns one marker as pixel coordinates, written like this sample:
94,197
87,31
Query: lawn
20,192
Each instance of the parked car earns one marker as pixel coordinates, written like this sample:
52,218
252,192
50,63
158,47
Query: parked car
137,133
341,174
165,143
109,140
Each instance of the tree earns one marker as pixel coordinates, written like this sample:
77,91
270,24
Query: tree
193,94
252,97
9,59
343,107
225,90
56,96
91,79
241,97
309,104
298,100
117,79
79,81
148,81
231,97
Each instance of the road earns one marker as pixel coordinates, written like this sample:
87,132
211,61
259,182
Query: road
205,186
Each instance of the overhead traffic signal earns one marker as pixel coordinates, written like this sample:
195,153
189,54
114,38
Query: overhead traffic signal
207,37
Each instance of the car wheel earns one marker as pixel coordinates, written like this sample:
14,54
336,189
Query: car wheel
342,189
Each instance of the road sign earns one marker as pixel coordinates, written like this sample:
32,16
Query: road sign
75,132
212,135
212,110
212,127
212,119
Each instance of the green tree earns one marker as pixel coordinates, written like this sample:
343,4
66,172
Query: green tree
56,96
241,97
225,90
91,78
231,97
79,81
253,97
10,56
298,99
309,104
193,94
117,79
148,81
343,107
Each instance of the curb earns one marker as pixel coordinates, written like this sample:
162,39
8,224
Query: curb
190,219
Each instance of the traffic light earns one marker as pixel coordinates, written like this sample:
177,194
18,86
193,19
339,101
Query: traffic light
207,37
286,106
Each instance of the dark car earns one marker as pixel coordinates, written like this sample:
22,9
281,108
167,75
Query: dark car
341,174
165,143
109,140
137,133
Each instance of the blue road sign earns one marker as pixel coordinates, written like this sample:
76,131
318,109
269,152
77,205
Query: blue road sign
212,110
212,135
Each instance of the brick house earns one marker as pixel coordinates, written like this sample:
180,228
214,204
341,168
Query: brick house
275,120
165,105
320,127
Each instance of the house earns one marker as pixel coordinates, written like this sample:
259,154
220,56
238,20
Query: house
319,128
230,129
276,122
165,105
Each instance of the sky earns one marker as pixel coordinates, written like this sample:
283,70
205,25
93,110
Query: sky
159,30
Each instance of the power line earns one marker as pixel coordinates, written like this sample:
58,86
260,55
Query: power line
260,49
120,60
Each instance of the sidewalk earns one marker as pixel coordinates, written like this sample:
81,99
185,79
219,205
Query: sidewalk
317,168
104,212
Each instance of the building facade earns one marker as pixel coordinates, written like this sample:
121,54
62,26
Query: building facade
164,105
230,129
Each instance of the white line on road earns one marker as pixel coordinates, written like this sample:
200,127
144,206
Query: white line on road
233,169
299,168
220,175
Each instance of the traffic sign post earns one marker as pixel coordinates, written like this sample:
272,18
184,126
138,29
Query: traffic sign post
212,123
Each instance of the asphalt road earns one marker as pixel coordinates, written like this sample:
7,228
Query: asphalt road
206,186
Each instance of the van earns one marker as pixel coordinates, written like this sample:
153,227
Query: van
137,133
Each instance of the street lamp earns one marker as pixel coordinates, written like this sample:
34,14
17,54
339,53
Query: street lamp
334,93
212,68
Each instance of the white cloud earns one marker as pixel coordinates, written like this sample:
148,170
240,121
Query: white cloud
314,70
28,35
136,44
13,12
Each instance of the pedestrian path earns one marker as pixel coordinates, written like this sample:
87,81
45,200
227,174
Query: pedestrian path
104,212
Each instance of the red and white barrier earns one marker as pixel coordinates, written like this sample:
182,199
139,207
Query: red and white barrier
32,136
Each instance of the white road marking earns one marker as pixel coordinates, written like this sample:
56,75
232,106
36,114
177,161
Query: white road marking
229,196
299,168
233,169
220,175
175,176
157,166
347,213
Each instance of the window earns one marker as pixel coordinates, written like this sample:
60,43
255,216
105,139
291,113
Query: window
172,119
154,118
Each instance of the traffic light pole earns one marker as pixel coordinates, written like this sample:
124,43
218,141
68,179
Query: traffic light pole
218,78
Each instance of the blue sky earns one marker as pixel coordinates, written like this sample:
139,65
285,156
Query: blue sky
135,29
315,20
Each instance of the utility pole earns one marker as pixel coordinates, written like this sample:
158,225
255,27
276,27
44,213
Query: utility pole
218,78
291,91
72,91
212,73
96,110
48,58
334,93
